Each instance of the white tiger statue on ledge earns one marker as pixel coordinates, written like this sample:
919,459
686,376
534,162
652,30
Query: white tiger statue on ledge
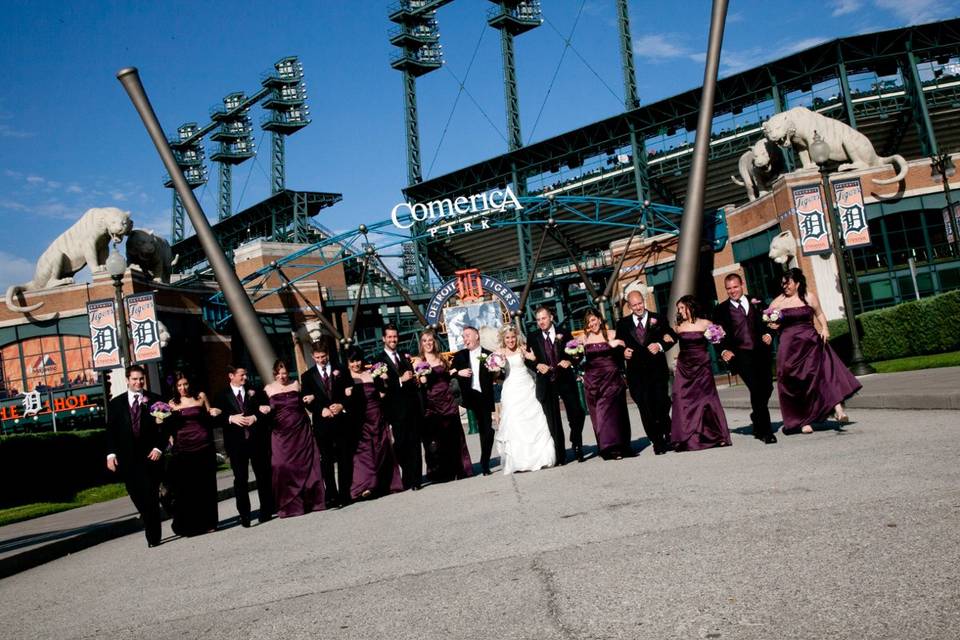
797,127
85,243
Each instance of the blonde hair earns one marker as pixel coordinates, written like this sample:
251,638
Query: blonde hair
509,328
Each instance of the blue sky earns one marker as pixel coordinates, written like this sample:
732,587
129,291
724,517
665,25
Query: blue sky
70,140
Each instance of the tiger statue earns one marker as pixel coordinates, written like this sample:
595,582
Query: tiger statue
85,243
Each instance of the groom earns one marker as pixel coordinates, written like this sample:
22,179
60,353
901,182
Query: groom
476,390
556,380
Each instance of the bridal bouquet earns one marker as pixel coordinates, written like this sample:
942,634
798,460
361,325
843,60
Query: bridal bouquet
160,411
574,348
378,370
495,363
421,369
772,315
714,334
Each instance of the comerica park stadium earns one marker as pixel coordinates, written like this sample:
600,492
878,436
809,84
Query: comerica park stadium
595,210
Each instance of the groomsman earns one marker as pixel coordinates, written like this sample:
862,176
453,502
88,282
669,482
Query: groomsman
246,437
402,404
324,392
556,380
746,350
647,374
476,390
134,446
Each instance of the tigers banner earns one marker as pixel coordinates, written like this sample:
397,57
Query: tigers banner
853,213
946,220
104,336
811,221
144,329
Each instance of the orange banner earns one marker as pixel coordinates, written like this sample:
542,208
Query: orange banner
144,328
811,221
853,213
104,337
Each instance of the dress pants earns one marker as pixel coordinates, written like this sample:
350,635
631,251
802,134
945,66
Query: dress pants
256,452
143,486
754,369
652,398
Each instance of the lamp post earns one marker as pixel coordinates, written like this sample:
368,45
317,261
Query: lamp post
941,166
116,266
820,153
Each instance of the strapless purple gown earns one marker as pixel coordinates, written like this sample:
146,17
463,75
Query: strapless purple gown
193,473
698,421
811,378
375,468
297,482
606,399
445,430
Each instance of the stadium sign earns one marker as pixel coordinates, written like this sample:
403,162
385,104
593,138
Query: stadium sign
450,215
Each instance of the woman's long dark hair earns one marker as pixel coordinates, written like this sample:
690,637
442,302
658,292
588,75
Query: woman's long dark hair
693,307
797,276
354,354
194,392
279,364
603,325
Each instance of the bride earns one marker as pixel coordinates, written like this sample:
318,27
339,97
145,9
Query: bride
523,438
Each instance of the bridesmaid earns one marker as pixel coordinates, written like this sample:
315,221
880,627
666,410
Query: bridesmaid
375,469
442,414
605,390
812,381
297,481
698,421
193,467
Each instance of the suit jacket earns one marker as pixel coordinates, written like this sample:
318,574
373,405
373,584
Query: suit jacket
723,316
233,437
312,384
470,398
402,402
643,363
536,344
131,450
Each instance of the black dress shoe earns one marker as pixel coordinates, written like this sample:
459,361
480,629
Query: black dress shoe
770,439
416,487
578,453
245,523
487,472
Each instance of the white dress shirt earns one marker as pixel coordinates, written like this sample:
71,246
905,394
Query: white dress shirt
639,321
743,303
475,367
550,333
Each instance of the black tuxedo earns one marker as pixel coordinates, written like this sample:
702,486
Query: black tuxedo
750,361
140,475
648,376
480,402
335,437
557,384
247,446
405,414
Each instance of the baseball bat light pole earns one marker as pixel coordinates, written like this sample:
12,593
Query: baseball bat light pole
691,225
236,298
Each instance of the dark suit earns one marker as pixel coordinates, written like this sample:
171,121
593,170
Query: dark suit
247,446
334,434
557,384
140,475
751,358
480,402
648,376
402,405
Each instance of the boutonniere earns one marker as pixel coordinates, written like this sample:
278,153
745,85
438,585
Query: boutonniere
559,336
251,393
407,356
336,373
653,321
754,301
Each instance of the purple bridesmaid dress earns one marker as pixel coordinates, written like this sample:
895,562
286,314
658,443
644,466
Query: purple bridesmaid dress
297,482
698,421
375,468
193,472
606,399
811,378
442,414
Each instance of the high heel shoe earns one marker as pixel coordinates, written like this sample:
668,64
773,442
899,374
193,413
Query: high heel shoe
843,418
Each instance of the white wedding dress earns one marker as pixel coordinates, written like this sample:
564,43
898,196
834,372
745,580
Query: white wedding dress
523,439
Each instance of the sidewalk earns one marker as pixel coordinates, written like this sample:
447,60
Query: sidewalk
921,389
27,544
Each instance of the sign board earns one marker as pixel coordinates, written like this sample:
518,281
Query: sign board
104,336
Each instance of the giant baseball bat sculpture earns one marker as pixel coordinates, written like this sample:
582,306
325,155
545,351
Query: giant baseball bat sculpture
243,312
691,225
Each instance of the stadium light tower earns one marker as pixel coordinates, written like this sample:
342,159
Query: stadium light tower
288,113
188,152
235,144
511,18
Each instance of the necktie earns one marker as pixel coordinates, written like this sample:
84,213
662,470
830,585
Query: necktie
240,400
739,306
325,380
135,415
641,332
396,360
549,351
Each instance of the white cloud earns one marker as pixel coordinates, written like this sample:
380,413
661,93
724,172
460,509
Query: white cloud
14,270
6,131
844,7
35,180
800,45
13,205
74,189
659,47
917,11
